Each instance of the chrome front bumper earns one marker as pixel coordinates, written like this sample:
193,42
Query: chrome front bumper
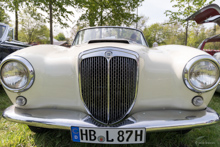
163,120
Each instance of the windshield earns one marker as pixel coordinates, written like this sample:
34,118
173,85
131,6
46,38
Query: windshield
2,30
132,35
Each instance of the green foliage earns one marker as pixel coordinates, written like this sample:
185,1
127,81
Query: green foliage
40,34
141,24
14,6
59,10
212,32
212,45
185,9
197,35
33,28
174,34
154,34
4,18
164,34
108,12
60,37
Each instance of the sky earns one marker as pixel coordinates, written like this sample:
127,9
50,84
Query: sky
154,9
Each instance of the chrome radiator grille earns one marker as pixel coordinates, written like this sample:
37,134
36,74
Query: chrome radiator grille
94,86
108,86
123,75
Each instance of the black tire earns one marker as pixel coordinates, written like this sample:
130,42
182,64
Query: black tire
38,129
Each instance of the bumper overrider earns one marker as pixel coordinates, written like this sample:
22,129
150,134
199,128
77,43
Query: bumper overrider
164,120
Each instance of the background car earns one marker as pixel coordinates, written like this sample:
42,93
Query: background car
110,87
7,43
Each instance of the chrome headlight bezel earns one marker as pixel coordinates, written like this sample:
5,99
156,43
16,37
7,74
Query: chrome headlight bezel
27,65
188,67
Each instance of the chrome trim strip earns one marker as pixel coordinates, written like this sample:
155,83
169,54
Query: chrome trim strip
108,94
163,120
30,69
188,66
115,52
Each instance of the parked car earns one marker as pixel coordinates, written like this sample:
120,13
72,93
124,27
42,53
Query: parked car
7,43
212,39
209,14
110,87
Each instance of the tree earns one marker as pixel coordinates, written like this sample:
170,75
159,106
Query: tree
154,34
196,36
43,35
40,35
60,37
185,9
3,16
210,33
32,26
109,12
57,12
164,33
14,6
141,24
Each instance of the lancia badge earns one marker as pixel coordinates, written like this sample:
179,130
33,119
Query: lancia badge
108,54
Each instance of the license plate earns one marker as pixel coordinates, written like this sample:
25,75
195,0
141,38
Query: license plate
108,135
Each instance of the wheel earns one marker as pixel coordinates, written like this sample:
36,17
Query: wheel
38,129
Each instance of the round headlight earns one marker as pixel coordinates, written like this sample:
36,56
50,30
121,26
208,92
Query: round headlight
201,73
16,74
204,74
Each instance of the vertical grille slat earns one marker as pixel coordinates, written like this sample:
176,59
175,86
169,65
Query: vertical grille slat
122,86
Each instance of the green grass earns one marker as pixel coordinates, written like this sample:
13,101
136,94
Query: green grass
19,135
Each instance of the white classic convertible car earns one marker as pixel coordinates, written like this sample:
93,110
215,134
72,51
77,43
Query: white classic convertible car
110,87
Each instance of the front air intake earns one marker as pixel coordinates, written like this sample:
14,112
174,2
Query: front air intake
108,84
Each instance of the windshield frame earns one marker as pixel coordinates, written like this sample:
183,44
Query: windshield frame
73,44
5,34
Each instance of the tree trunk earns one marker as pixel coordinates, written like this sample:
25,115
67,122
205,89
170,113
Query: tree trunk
101,19
137,17
16,24
187,23
214,31
51,23
187,26
101,13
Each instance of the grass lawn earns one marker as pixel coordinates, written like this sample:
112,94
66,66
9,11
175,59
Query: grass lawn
18,135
